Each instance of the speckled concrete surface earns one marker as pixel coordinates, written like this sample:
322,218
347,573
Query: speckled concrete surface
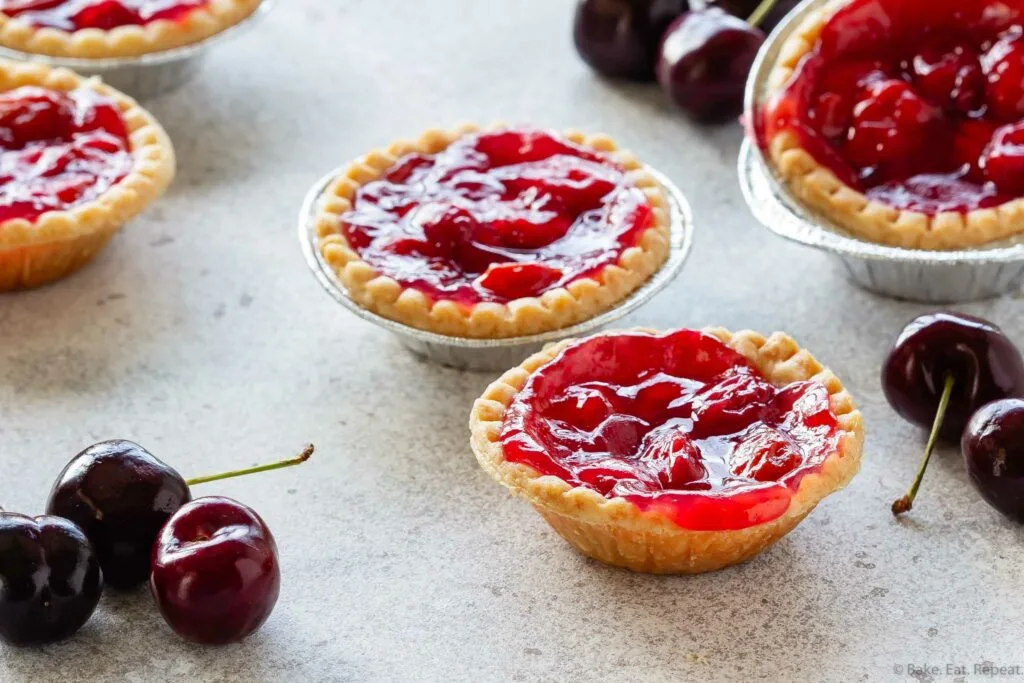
201,334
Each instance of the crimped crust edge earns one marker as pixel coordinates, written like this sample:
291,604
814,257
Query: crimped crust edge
555,309
866,218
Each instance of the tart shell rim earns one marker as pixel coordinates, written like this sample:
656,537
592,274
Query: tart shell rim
819,187
558,308
579,513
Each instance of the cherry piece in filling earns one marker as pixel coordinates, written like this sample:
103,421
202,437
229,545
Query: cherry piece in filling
993,450
890,127
121,495
497,216
679,422
1004,67
619,38
58,150
105,15
31,114
941,369
1003,159
216,575
920,114
951,78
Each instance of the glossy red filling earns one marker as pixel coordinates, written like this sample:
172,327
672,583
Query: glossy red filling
917,103
679,423
73,15
58,150
497,216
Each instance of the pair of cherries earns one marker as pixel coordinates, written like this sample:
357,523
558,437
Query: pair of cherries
963,378
118,516
700,51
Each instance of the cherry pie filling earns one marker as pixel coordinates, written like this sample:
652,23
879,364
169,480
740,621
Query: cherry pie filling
678,423
74,15
58,150
497,216
917,103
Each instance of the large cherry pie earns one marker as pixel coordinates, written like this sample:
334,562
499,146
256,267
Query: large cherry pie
903,120
679,452
77,161
114,28
494,233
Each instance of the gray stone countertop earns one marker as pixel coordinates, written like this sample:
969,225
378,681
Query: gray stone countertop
201,334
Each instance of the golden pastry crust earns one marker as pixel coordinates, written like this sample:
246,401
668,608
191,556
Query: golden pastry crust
125,41
555,309
616,531
59,242
867,218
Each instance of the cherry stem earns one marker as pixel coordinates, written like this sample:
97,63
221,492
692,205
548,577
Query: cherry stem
303,457
905,503
761,11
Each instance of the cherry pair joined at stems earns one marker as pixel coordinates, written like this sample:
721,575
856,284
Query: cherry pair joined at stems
943,371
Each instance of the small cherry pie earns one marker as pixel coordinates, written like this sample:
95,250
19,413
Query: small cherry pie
77,161
679,452
494,233
114,28
903,120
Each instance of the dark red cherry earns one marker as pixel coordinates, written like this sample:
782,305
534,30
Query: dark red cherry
704,61
1003,159
993,449
619,38
121,496
50,579
984,364
942,368
216,575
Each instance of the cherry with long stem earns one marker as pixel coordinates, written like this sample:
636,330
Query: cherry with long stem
291,462
906,503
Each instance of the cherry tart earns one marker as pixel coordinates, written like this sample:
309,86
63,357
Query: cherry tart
494,233
94,29
903,120
77,161
678,452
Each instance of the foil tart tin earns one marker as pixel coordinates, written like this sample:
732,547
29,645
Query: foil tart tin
937,277
146,76
496,354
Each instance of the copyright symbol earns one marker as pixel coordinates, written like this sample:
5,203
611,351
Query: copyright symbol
898,669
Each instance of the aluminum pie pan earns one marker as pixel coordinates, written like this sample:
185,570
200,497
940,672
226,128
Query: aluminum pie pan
937,277
148,75
497,354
